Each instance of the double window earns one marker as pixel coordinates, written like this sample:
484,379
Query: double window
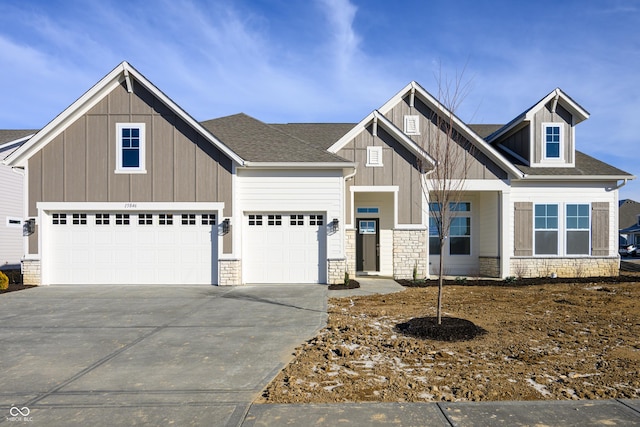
130,148
459,236
550,235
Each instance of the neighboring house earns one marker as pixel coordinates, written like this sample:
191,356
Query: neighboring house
126,187
629,215
11,200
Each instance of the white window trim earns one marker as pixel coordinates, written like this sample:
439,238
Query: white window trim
561,158
141,168
416,127
11,222
374,156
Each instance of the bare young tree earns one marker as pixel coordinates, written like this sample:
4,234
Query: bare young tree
444,185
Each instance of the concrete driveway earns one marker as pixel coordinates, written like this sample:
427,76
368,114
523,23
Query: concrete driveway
143,355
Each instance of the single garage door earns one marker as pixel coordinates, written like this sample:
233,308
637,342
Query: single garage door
131,248
285,248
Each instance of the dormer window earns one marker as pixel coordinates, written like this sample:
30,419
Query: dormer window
130,148
552,134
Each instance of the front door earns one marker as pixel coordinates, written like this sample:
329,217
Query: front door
368,245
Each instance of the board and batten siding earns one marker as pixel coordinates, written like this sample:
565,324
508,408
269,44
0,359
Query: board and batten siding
399,167
546,116
519,142
11,249
79,164
294,191
477,164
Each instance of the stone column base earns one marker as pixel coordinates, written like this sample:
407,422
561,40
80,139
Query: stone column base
31,274
409,254
229,272
335,271
565,267
489,266
350,252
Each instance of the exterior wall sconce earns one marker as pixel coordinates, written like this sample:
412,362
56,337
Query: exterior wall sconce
334,225
29,227
225,226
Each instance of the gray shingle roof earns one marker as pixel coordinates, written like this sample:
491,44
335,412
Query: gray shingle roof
256,141
323,135
13,134
585,166
484,130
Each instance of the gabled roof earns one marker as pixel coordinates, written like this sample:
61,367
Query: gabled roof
11,140
579,113
392,129
459,125
258,142
124,72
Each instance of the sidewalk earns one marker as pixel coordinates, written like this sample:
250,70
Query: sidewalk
576,413
369,285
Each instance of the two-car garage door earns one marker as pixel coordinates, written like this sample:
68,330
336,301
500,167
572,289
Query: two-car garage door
131,248
284,248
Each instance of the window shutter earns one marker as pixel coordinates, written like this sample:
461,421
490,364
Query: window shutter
523,229
600,229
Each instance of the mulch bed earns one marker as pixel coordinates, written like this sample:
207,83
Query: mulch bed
518,282
353,284
451,329
16,287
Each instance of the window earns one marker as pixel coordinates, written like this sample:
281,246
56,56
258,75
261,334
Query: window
130,144
102,219
145,219
165,219
412,125
315,220
188,219
255,219
274,219
367,227
460,236
122,219
79,219
208,219
368,210
374,156
552,140
296,220
578,229
434,237
59,218
546,229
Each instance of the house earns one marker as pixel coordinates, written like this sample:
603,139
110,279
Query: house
12,201
124,186
629,223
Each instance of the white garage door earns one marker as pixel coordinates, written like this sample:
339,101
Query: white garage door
131,248
285,248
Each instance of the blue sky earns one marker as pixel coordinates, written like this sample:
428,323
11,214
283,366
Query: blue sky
334,60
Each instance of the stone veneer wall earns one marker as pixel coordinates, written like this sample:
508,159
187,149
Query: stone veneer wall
350,252
229,272
31,271
489,266
565,267
335,270
409,251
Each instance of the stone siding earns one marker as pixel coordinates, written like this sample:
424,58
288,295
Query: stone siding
489,266
565,267
335,270
350,251
229,272
409,251
31,272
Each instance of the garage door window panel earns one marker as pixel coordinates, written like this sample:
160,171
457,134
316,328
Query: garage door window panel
79,219
188,219
316,220
296,220
145,219
59,219
208,219
102,219
165,219
255,220
274,220
122,219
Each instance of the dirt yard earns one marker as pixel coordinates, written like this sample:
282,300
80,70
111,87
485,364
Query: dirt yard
552,341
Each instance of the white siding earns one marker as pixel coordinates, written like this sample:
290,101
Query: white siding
11,205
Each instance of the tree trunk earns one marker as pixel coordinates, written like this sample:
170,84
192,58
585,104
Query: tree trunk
440,280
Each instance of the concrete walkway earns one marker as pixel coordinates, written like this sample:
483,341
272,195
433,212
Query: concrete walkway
369,285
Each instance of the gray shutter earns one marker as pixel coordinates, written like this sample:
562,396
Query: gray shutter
523,229
600,228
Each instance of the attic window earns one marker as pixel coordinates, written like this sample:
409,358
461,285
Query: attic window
552,140
130,147
412,125
374,156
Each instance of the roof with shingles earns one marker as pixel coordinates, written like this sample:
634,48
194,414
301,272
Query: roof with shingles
585,165
323,135
484,131
628,213
9,135
256,141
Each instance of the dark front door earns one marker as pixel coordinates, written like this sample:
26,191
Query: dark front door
367,245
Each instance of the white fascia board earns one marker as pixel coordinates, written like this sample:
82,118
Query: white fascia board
14,142
576,110
129,206
94,95
374,188
299,165
567,178
470,185
337,146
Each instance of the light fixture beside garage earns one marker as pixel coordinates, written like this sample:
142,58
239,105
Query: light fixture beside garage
29,227
225,226
335,225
